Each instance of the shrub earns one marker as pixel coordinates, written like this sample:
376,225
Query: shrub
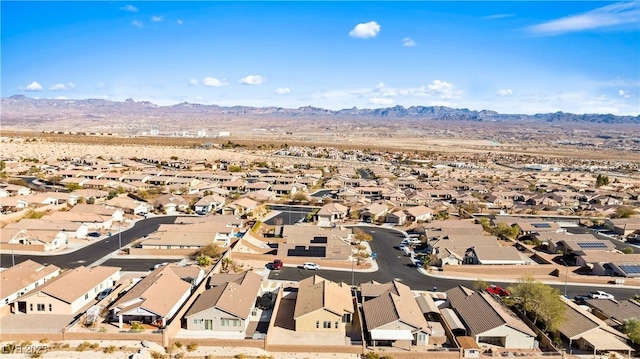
193,346
178,345
158,355
83,346
110,349
136,327
241,356
44,340
95,346
65,346
180,355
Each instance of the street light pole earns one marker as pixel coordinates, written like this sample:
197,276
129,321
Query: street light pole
566,274
119,236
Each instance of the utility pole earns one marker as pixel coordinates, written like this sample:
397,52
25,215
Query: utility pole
119,236
566,274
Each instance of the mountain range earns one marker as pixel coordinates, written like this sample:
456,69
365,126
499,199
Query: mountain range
20,107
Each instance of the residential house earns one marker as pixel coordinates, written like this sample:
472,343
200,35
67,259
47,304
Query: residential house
392,315
70,292
211,203
331,214
315,242
624,226
323,306
227,306
614,312
154,300
585,331
171,203
130,205
242,206
374,212
22,278
189,236
488,321
34,240
72,229
116,214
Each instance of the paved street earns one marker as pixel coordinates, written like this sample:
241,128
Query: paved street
393,265
93,252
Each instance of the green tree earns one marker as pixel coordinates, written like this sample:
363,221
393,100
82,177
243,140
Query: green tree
2,165
538,301
226,262
73,186
361,236
627,250
623,212
480,284
602,180
631,327
504,230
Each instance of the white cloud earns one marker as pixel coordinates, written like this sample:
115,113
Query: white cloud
443,89
193,82
129,8
62,87
100,85
34,86
179,22
214,82
407,41
137,23
498,16
157,18
253,80
621,13
623,93
283,91
505,92
381,101
365,30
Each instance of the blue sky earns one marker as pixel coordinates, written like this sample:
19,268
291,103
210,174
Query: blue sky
511,57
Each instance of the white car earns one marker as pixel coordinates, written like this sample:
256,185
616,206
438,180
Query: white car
410,240
310,266
601,295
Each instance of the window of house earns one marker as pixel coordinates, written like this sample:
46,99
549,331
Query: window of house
40,307
86,296
326,324
421,337
336,324
317,324
346,318
50,307
31,307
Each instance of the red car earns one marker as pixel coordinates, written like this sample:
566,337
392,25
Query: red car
494,289
277,264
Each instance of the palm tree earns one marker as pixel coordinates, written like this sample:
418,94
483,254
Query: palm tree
226,261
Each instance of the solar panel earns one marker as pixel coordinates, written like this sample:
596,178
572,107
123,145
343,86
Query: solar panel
592,245
319,240
630,268
541,225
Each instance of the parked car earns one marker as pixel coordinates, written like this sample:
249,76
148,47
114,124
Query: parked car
105,293
160,265
410,240
277,264
601,295
581,299
310,266
93,234
494,289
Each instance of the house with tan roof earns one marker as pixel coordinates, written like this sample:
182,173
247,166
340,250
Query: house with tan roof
210,203
331,214
488,321
154,300
588,332
226,306
614,312
171,203
21,278
624,226
374,212
190,236
116,214
392,315
71,229
129,205
323,306
70,292
315,242
240,207
91,220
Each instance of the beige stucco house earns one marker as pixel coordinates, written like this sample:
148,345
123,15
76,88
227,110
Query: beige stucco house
323,306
